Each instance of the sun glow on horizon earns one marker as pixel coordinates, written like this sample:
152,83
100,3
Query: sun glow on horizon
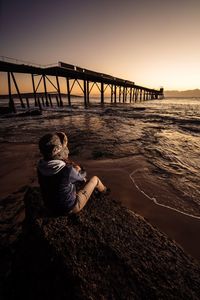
153,43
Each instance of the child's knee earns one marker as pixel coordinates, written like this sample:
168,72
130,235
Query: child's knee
95,179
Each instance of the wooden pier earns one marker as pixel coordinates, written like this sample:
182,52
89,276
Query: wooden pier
121,91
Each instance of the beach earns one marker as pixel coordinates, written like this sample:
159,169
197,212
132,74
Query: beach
147,153
18,170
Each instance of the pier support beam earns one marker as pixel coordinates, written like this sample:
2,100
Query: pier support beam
102,93
111,93
115,94
50,100
39,103
131,90
136,95
124,91
88,92
133,95
120,91
57,101
125,94
144,95
34,90
45,90
27,103
140,95
59,94
17,89
68,91
43,103
11,102
85,90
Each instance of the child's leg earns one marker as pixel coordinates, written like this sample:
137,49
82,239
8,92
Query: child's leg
85,193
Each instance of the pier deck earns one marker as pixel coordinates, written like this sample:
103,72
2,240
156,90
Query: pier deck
120,89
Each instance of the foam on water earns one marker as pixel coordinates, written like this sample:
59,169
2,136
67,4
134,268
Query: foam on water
154,200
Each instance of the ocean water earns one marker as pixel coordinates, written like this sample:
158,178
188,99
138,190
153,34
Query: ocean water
165,132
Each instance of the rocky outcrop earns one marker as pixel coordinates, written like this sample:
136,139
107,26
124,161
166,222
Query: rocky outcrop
106,252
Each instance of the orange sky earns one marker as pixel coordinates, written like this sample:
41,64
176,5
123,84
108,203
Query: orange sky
153,43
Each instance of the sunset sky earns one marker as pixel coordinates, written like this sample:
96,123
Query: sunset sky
152,42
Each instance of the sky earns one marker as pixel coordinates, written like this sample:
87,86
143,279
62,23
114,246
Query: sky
154,43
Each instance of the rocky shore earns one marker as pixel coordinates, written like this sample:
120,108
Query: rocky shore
106,252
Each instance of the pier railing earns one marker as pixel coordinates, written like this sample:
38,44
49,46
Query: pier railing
120,90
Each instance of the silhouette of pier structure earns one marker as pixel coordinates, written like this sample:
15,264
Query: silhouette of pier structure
121,91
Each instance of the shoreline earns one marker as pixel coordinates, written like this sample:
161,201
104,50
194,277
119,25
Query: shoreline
19,161
181,228
160,204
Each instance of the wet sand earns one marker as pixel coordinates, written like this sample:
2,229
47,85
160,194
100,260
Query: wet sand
18,169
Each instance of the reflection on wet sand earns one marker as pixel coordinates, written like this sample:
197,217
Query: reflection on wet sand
116,173
158,130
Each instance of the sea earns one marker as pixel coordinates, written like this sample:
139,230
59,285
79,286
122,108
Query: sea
166,132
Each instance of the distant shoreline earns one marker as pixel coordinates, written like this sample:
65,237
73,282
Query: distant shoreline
195,93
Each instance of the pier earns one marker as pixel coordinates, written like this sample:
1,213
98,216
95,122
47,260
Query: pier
121,91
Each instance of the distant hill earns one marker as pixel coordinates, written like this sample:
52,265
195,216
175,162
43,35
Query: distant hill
187,93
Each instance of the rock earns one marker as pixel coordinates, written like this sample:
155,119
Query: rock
5,110
27,113
105,252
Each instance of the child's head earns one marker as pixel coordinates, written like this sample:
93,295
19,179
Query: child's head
54,146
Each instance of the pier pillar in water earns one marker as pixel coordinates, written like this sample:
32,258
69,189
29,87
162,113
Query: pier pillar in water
102,92
115,95
133,94
45,90
36,102
50,100
18,92
124,94
131,90
11,101
144,96
137,91
85,92
111,93
43,103
27,103
140,95
126,91
34,90
136,95
120,91
39,104
68,91
88,92
57,101
59,94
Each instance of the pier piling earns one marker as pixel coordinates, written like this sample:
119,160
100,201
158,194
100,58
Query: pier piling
68,91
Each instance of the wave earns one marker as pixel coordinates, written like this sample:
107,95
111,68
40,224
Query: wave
155,201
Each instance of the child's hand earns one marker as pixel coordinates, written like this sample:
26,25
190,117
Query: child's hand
77,167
